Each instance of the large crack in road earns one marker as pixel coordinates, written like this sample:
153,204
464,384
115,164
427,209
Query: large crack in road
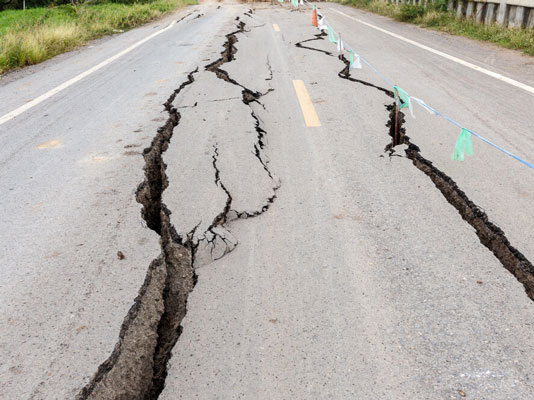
489,234
137,366
136,369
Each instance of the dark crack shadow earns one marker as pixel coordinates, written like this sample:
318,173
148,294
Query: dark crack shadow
319,36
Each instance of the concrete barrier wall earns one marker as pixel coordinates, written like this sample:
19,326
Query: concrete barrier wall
510,13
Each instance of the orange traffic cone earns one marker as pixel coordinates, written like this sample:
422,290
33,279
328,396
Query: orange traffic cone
314,17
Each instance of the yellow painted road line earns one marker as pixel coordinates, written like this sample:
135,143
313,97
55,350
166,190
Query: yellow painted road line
276,28
308,111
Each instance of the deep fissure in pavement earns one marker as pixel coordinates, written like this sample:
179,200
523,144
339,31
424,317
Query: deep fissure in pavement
318,36
150,191
177,253
136,369
489,234
137,366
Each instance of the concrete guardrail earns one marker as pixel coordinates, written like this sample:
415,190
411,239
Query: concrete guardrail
510,13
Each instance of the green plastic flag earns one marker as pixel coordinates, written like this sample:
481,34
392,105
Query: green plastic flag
463,146
403,96
331,36
280,1
295,3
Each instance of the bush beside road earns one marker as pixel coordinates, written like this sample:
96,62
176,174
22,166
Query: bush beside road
31,36
436,16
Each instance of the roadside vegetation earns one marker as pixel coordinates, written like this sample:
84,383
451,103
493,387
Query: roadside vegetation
434,15
33,35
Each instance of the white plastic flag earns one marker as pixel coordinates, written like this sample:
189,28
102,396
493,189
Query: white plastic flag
322,26
340,46
354,61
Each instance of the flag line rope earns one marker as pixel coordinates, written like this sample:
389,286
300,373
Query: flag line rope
323,23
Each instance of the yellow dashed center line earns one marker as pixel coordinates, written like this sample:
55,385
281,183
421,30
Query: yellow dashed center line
276,28
308,111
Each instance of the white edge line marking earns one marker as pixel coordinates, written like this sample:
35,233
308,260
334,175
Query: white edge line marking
445,55
79,77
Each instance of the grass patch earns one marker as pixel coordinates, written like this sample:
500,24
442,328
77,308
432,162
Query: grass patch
435,16
34,35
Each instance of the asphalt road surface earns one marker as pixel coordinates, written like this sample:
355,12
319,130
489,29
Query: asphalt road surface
203,188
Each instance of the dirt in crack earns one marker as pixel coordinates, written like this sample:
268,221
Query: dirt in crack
136,369
489,234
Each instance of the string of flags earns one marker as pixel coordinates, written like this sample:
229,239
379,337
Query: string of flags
463,145
295,3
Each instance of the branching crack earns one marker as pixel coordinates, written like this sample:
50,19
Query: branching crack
489,234
221,218
248,97
214,233
137,367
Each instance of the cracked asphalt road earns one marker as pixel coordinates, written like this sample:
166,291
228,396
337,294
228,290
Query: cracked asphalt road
321,267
